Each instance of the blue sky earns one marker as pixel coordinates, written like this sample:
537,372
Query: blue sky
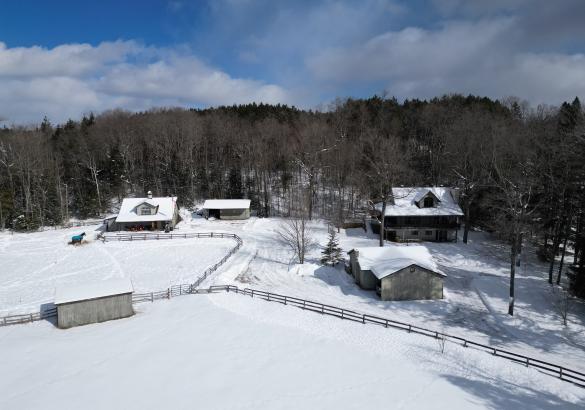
66,58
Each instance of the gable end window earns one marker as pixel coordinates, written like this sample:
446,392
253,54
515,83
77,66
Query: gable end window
428,202
145,211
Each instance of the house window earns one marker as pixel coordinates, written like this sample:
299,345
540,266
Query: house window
428,203
145,211
428,233
414,233
412,268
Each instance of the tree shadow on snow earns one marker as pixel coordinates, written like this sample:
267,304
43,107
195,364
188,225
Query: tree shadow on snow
504,396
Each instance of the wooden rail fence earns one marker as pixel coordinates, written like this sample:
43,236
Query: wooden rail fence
563,373
175,290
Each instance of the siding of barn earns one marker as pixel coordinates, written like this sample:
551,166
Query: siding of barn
94,310
407,285
364,278
232,214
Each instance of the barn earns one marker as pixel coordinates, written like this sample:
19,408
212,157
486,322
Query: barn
79,305
397,272
228,209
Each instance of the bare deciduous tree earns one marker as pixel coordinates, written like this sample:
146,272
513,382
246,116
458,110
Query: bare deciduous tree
296,234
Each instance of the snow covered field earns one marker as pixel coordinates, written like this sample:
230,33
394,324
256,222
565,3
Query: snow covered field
303,359
33,264
229,351
476,288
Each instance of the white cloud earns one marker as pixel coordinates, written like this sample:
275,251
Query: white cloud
72,79
481,57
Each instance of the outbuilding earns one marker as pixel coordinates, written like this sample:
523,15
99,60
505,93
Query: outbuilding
228,209
93,302
397,272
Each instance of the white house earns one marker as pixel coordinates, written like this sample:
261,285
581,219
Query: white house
150,213
421,213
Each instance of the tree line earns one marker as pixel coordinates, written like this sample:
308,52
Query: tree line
520,170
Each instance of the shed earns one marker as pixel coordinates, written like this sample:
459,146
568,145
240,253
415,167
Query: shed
228,209
397,272
93,302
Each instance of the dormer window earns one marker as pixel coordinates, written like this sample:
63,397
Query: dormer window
145,211
428,202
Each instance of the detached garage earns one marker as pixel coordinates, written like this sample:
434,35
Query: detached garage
228,209
397,272
96,302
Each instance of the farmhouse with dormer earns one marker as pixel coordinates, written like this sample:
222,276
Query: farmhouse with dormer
150,213
421,214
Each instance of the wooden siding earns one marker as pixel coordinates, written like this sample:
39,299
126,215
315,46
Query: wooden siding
94,310
406,285
232,214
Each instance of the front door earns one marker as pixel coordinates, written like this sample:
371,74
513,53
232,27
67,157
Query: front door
441,236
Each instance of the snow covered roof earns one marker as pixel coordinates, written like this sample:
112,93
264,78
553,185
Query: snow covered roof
405,202
384,261
226,204
77,292
165,209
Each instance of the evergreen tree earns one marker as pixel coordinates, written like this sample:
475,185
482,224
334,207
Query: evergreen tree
332,251
235,184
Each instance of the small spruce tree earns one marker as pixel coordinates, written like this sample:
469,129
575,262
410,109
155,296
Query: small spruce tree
332,251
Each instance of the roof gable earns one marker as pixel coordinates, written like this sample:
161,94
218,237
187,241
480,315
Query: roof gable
405,202
165,209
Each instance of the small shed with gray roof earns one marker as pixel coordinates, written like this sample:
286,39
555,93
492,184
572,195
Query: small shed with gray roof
397,272
93,302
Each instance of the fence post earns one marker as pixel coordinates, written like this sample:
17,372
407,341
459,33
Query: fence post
560,372
168,293
285,300
31,317
152,296
363,319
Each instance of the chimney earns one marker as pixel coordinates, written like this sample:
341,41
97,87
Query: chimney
456,194
149,194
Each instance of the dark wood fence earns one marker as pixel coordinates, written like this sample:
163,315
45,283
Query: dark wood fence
563,373
152,236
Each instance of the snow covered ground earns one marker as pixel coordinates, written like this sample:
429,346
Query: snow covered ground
229,351
476,288
207,345
32,264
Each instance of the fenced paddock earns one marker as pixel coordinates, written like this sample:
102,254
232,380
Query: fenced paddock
173,291
561,372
